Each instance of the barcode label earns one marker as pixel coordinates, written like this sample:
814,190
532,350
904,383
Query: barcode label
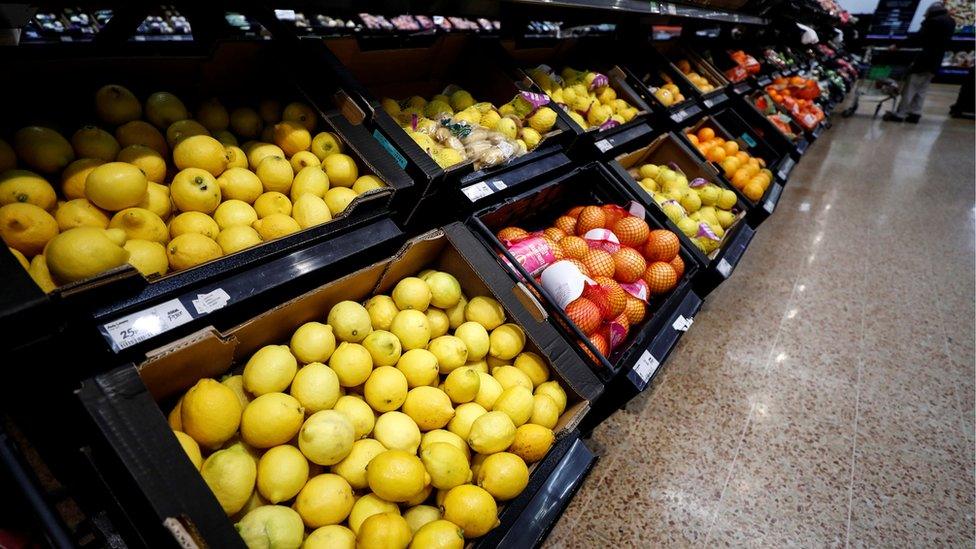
724,268
679,116
682,324
210,302
138,327
769,206
604,145
646,366
477,191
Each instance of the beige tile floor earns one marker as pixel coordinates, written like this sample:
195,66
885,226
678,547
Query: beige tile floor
824,396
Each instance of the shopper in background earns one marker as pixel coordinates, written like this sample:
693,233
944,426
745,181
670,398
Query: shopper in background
934,38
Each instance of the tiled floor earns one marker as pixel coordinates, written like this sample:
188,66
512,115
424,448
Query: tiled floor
824,396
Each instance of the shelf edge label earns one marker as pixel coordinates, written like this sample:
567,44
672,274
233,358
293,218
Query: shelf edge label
646,366
140,326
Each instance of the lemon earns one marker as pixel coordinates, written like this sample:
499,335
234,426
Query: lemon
338,199
116,105
326,437
367,183
367,506
239,183
333,536
192,189
271,419
506,341
181,130
420,515
74,176
385,389
146,159
157,200
412,293
140,224
485,311
115,186
163,108
554,391
446,464
510,376
301,113
397,431
491,432
28,187
43,149
191,249
94,142
381,310
437,534
256,500
276,226
193,223
517,403
282,471
503,475
301,160
271,527
488,391
258,151
312,342
326,499
384,530
476,464
174,418
475,338
311,180
532,442
231,213
455,314
148,257
237,238
20,258
534,366
462,384
235,156
440,435
352,363
351,321
325,144
275,173
472,509
464,417
230,474
412,328
245,122
439,323
310,210
451,353
445,290
191,448
316,387
39,272
138,132
358,413
292,137
396,475
429,407
271,203
479,365
269,370
419,366
236,384
82,252
353,467
545,411
27,228
384,347
202,152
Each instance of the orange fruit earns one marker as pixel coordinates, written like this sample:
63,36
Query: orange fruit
679,266
616,296
731,147
554,233
743,156
730,165
631,231
660,278
601,345
614,214
566,224
740,178
629,264
511,233
591,217
574,212
706,134
753,191
585,314
574,247
579,265
662,245
693,138
599,263
557,250
715,154
635,309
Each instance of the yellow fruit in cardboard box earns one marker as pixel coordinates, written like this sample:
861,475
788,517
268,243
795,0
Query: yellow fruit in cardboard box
43,149
148,257
116,105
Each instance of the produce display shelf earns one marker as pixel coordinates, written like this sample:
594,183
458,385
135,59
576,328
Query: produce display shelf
646,72
650,8
675,53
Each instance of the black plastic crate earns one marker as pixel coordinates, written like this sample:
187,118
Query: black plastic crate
649,71
676,54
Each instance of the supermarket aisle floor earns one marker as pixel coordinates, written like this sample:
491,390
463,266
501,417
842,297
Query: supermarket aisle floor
824,396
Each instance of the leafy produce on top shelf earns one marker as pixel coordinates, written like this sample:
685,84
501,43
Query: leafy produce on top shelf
747,173
453,128
166,191
603,264
586,96
700,82
411,416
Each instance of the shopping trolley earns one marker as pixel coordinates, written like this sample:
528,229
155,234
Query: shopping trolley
884,69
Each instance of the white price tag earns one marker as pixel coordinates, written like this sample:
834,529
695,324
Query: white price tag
498,184
210,302
769,206
477,191
679,116
682,324
603,145
138,327
646,366
724,268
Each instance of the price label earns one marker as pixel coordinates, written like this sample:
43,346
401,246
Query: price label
498,185
477,191
210,302
138,327
646,366
680,115
604,145
682,324
724,268
769,206
748,139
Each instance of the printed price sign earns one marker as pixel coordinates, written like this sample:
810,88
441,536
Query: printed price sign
477,191
724,268
646,366
138,327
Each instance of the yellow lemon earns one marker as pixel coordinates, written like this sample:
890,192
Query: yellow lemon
270,526
236,384
74,175
437,534
80,213
82,252
429,407
445,290
230,474
385,389
138,132
210,413
488,390
455,314
94,142
20,258
325,144
163,108
191,448
301,113
534,366
475,338
191,249
193,190
180,130
270,111
333,536
479,365
276,226
326,499
257,152
485,311
517,403
386,530
239,183
447,465
440,435
231,213
316,387
503,475
381,310
115,186
350,320
313,342
506,341
237,238
464,417
353,467
545,411
555,392
419,366
396,475
462,384
141,224
271,203
270,370
43,149
451,353
26,187
472,509
326,437
39,272
510,376
245,122
532,442
411,293
396,430
412,328
282,471
174,417
352,363
366,183
213,115
310,210
292,137
367,506
439,323
302,160
271,419
276,174
235,156
384,347
358,413
491,432
201,151
148,257
420,515
310,180
157,200
116,105
193,222
338,199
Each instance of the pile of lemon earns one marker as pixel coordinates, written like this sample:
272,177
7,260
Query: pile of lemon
401,421
167,190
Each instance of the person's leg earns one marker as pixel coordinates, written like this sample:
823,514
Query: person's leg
922,81
908,92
